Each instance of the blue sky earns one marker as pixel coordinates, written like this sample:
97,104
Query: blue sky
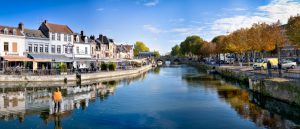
159,23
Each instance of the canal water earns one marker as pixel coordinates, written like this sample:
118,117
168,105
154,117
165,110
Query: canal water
175,97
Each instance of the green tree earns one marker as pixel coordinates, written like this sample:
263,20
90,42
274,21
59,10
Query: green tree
176,50
140,47
156,53
191,45
293,29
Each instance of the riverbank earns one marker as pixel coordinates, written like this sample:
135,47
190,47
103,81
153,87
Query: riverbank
285,89
72,78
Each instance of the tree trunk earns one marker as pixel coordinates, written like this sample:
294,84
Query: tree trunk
248,58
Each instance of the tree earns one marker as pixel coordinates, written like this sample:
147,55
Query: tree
293,30
176,50
156,54
140,47
191,45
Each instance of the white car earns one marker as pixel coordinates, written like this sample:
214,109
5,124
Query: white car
287,64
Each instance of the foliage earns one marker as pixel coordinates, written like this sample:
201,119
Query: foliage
63,67
156,53
140,47
104,66
293,29
112,66
176,50
191,45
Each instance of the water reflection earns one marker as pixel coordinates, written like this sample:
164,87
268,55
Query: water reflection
265,112
18,102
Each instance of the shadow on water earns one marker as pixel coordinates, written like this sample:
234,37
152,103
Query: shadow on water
19,102
264,111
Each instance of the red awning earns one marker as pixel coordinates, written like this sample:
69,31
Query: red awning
16,58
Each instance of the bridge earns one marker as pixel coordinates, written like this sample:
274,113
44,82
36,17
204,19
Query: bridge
172,59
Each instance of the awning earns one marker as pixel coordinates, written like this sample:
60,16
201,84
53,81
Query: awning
49,58
16,58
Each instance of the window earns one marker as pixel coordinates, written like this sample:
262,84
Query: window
46,48
29,47
5,46
77,38
69,38
5,31
86,40
14,32
14,47
86,50
65,37
41,48
92,50
71,50
35,49
58,37
53,36
58,49
66,49
77,50
97,56
53,49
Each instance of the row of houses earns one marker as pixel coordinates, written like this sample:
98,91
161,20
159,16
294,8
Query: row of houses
55,43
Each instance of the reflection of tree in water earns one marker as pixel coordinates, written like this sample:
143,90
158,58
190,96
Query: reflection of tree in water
156,70
240,101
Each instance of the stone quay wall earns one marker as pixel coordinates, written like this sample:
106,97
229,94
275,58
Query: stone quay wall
61,78
284,89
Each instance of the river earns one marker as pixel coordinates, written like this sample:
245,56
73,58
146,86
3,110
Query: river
175,97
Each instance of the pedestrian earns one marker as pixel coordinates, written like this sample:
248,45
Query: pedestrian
269,67
57,97
279,69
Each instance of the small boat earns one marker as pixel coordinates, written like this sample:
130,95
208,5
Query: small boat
159,63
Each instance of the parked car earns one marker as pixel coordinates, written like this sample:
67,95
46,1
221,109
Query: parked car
262,63
288,64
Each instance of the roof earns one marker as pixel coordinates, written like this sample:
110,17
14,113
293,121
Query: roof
16,58
124,48
51,57
34,33
58,28
10,30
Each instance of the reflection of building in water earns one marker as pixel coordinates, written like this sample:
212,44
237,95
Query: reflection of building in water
18,102
12,104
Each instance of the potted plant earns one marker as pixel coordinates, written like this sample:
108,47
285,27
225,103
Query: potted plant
63,68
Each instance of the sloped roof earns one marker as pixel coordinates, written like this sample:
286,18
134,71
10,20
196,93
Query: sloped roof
10,30
58,28
34,34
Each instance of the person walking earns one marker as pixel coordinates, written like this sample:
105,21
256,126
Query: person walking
279,69
57,97
269,67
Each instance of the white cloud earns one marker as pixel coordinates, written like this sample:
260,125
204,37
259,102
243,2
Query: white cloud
276,10
148,3
152,29
184,31
99,9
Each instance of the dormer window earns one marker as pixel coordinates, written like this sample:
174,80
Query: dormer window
86,40
5,31
77,38
14,32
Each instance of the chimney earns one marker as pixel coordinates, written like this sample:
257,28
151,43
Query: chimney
21,26
81,33
92,37
46,21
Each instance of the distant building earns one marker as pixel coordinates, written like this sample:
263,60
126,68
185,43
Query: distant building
125,51
146,55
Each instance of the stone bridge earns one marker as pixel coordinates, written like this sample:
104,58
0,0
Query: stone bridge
172,59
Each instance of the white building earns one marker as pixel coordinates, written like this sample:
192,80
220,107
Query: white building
125,51
12,46
82,53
